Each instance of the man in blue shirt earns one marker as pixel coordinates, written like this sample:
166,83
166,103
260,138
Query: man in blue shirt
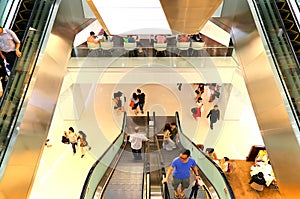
181,175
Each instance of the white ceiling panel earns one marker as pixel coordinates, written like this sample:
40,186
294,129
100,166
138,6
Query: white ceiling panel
133,16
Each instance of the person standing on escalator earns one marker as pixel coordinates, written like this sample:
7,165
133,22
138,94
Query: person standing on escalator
9,47
180,168
136,139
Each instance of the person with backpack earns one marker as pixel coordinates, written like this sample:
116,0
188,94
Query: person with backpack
119,101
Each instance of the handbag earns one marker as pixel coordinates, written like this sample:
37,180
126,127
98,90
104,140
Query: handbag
131,104
65,140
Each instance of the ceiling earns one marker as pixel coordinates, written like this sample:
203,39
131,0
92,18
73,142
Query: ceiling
153,16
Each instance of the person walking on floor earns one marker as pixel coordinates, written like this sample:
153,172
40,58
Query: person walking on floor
136,139
214,115
73,139
84,146
134,103
181,172
141,97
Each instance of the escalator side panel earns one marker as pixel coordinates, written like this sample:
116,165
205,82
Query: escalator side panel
265,88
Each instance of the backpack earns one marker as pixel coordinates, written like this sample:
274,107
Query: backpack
194,110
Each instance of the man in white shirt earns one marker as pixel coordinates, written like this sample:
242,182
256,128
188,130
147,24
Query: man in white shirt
136,140
9,47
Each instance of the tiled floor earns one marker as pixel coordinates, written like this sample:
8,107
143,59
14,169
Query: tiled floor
61,174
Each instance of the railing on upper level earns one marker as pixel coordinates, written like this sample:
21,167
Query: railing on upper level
149,50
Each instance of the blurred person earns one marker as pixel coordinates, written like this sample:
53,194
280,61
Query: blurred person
174,132
9,48
119,101
258,178
214,115
136,139
168,143
180,168
198,109
224,164
73,138
84,146
134,103
141,96
93,38
160,39
262,156
211,154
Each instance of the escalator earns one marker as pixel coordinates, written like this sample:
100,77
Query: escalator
291,25
126,181
30,22
282,32
122,176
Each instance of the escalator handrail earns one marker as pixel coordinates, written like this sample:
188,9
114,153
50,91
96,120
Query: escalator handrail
285,31
165,188
86,182
209,159
146,164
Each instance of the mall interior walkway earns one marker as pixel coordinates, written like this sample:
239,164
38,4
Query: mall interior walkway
61,174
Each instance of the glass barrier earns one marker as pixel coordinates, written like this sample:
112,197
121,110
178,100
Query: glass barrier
150,51
208,167
99,168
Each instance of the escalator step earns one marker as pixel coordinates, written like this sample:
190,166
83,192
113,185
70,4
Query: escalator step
124,194
280,4
296,46
288,24
28,5
284,13
293,35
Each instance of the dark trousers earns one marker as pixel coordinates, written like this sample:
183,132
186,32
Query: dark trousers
141,105
212,123
74,144
137,154
10,58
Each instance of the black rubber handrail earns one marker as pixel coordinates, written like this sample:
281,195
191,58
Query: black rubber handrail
209,159
165,188
146,164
